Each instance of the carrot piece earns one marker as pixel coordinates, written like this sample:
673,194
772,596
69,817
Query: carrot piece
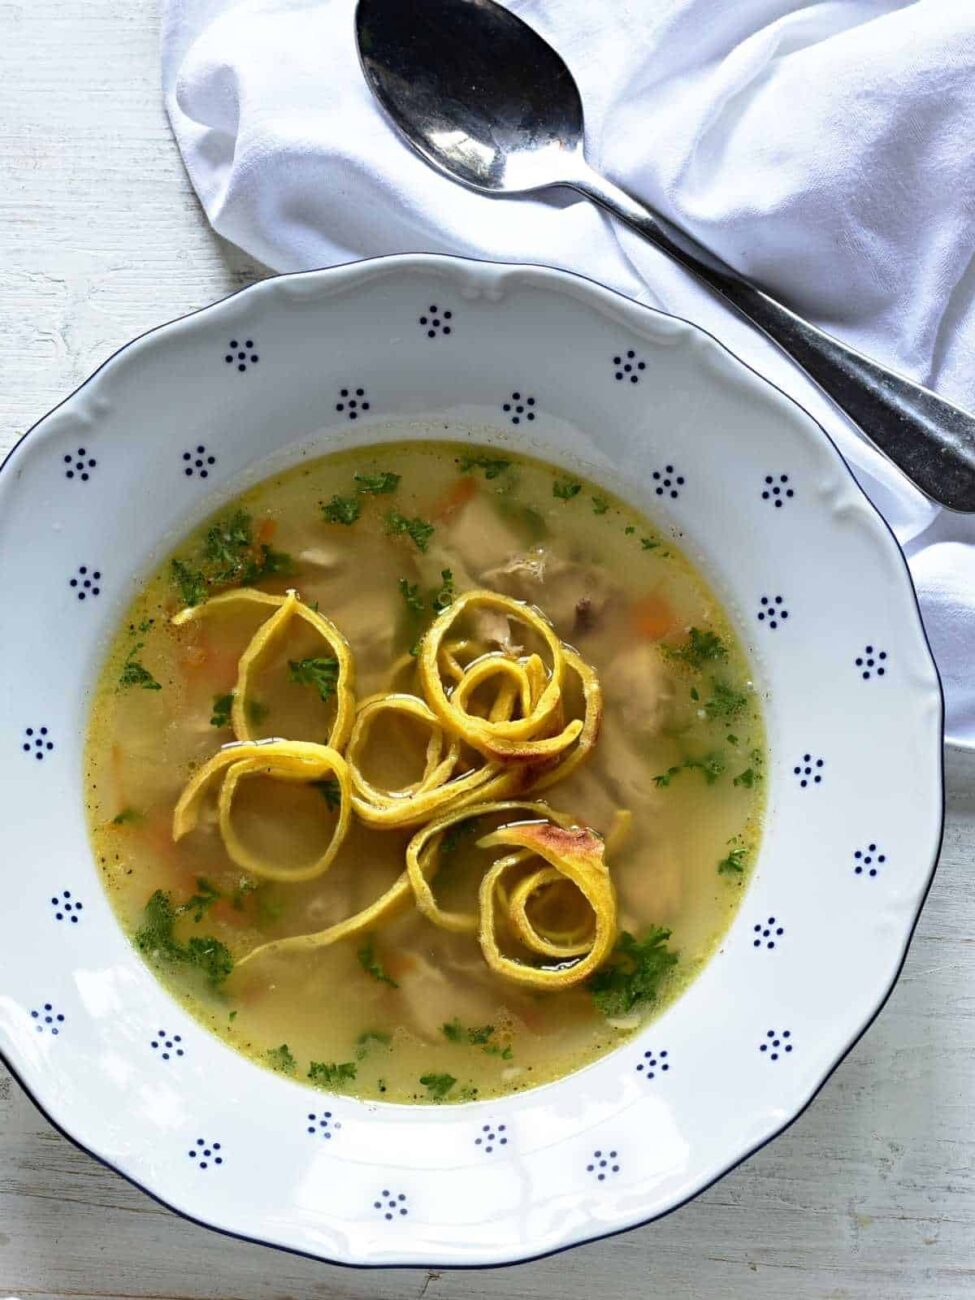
457,495
266,529
652,617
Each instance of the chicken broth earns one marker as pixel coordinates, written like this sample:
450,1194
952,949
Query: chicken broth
574,780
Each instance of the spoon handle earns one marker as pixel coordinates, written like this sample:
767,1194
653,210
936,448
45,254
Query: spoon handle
929,438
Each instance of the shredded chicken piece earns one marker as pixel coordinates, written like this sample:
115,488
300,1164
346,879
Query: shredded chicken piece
641,682
573,595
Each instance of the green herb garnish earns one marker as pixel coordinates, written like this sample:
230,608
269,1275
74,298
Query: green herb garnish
369,1038
329,1073
199,904
417,529
599,505
445,596
700,648
135,674
438,1085
256,711
128,817
329,789
280,1058
710,767
635,973
734,863
648,543
565,489
342,510
746,778
410,591
190,583
377,484
220,713
629,530
226,543
321,673
493,466
371,964
156,938
725,703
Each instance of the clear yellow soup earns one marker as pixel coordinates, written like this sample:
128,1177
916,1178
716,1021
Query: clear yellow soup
381,541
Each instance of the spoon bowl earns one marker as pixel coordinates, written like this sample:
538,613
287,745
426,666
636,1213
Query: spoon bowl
488,102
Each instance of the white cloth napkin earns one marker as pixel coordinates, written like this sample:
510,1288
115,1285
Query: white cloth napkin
828,149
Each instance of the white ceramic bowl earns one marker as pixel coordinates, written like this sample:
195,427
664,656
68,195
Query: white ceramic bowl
651,407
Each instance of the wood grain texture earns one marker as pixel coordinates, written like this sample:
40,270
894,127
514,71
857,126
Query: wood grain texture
870,1194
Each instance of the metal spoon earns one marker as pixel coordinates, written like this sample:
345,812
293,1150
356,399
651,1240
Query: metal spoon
481,96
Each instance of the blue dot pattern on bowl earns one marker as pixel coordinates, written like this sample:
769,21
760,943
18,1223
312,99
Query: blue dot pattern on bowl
79,465
436,323
652,1064
391,1204
47,1019
167,1045
767,933
490,1136
322,1125
809,771
868,861
872,663
777,490
628,366
241,353
667,482
37,741
776,1044
66,908
772,611
204,1154
198,462
519,408
85,582
352,404
603,1163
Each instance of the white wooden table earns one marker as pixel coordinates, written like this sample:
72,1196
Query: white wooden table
870,1194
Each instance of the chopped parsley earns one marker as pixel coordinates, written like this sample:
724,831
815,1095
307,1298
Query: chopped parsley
734,863
438,1085
629,530
410,591
493,466
731,738
281,1058
700,648
156,938
342,510
455,1032
565,489
377,484
445,596
746,778
371,964
648,543
127,817
368,1039
190,583
695,693
321,673
329,1073
230,556
256,711
135,674
635,973
725,703
220,713
200,903
417,529
599,505
329,789
710,767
